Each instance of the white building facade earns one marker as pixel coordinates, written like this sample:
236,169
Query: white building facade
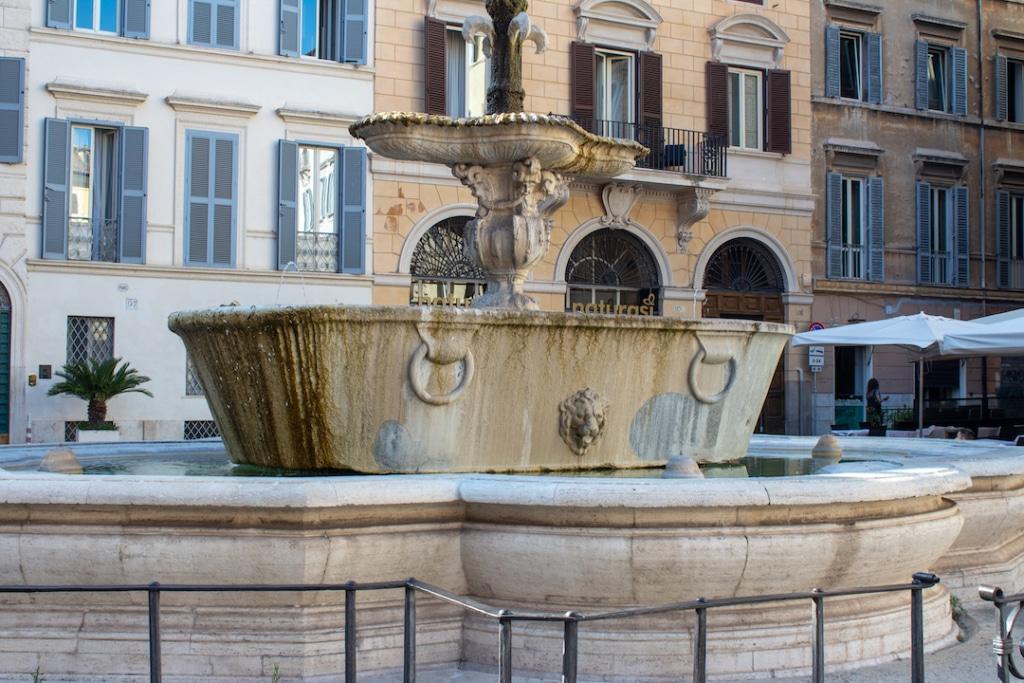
166,147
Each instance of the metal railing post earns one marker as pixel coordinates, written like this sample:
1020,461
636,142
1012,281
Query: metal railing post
409,664
350,633
504,647
155,668
1002,646
921,581
700,646
570,647
818,660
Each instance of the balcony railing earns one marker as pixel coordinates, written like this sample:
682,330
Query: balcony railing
672,149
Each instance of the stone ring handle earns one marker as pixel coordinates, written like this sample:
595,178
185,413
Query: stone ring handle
695,365
421,355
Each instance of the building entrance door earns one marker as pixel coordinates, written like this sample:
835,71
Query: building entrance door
744,282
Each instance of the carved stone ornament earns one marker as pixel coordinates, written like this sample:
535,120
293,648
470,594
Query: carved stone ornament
619,199
582,419
693,207
512,228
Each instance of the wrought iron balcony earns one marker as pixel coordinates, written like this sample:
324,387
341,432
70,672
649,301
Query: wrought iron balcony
672,149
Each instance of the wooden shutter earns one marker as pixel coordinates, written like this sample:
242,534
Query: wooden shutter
921,74
200,23
198,149
12,109
718,100
1003,239
352,229
962,243
353,32
582,80
650,91
56,169
227,24
959,81
876,229
287,194
834,224
924,233
832,65
58,13
779,126
873,56
134,177
225,168
135,18
290,33
1002,88
435,65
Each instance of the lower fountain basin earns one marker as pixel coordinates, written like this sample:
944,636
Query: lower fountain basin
384,389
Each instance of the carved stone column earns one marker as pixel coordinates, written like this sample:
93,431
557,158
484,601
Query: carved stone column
512,228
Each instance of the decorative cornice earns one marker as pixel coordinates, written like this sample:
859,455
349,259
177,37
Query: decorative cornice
873,10
937,22
858,147
318,117
95,93
202,105
1008,35
939,156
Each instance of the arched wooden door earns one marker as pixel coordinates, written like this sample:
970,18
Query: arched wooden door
743,281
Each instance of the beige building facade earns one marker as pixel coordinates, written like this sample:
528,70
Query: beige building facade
918,113
717,221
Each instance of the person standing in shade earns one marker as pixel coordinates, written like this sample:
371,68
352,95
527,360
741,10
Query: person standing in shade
875,399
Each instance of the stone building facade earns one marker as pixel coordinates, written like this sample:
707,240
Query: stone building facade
918,125
164,148
716,223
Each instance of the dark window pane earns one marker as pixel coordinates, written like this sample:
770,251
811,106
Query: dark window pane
849,66
937,83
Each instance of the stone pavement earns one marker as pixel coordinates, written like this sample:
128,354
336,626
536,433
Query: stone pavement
968,662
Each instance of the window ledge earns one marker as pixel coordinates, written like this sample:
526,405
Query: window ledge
318,117
892,109
95,93
755,153
192,272
202,105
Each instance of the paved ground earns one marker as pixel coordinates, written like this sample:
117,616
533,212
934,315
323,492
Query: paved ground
968,662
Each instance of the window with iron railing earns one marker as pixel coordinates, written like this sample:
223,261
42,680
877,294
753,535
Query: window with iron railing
90,339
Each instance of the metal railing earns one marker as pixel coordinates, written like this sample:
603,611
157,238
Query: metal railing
1010,608
672,149
570,621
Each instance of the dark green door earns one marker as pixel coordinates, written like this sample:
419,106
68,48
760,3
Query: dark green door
5,375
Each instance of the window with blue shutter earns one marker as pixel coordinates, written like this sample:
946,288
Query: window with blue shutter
924,239
834,224
12,109
213,23
1001,87
128,18
962,237
287,197
959,60
876,229
1004,254
832,60
134,178
211,198
334,30
56,171
921,79
352,232
873,62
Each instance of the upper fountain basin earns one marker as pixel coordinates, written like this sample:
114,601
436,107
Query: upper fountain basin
556,142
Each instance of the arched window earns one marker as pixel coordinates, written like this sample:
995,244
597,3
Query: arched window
441,273
744,265
612,271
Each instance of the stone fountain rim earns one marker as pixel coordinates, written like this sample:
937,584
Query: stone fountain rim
404,118
461,317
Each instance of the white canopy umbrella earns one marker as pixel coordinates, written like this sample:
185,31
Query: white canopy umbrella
921,334
999,338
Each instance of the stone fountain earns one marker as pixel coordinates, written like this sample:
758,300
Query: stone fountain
501,387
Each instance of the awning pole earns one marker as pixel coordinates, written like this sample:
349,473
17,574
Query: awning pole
920,396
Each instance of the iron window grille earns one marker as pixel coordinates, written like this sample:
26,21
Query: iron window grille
193,387
90,339
200,429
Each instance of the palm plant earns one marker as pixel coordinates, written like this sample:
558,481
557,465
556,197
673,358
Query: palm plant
97,382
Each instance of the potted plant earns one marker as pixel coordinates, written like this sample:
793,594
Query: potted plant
97,382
